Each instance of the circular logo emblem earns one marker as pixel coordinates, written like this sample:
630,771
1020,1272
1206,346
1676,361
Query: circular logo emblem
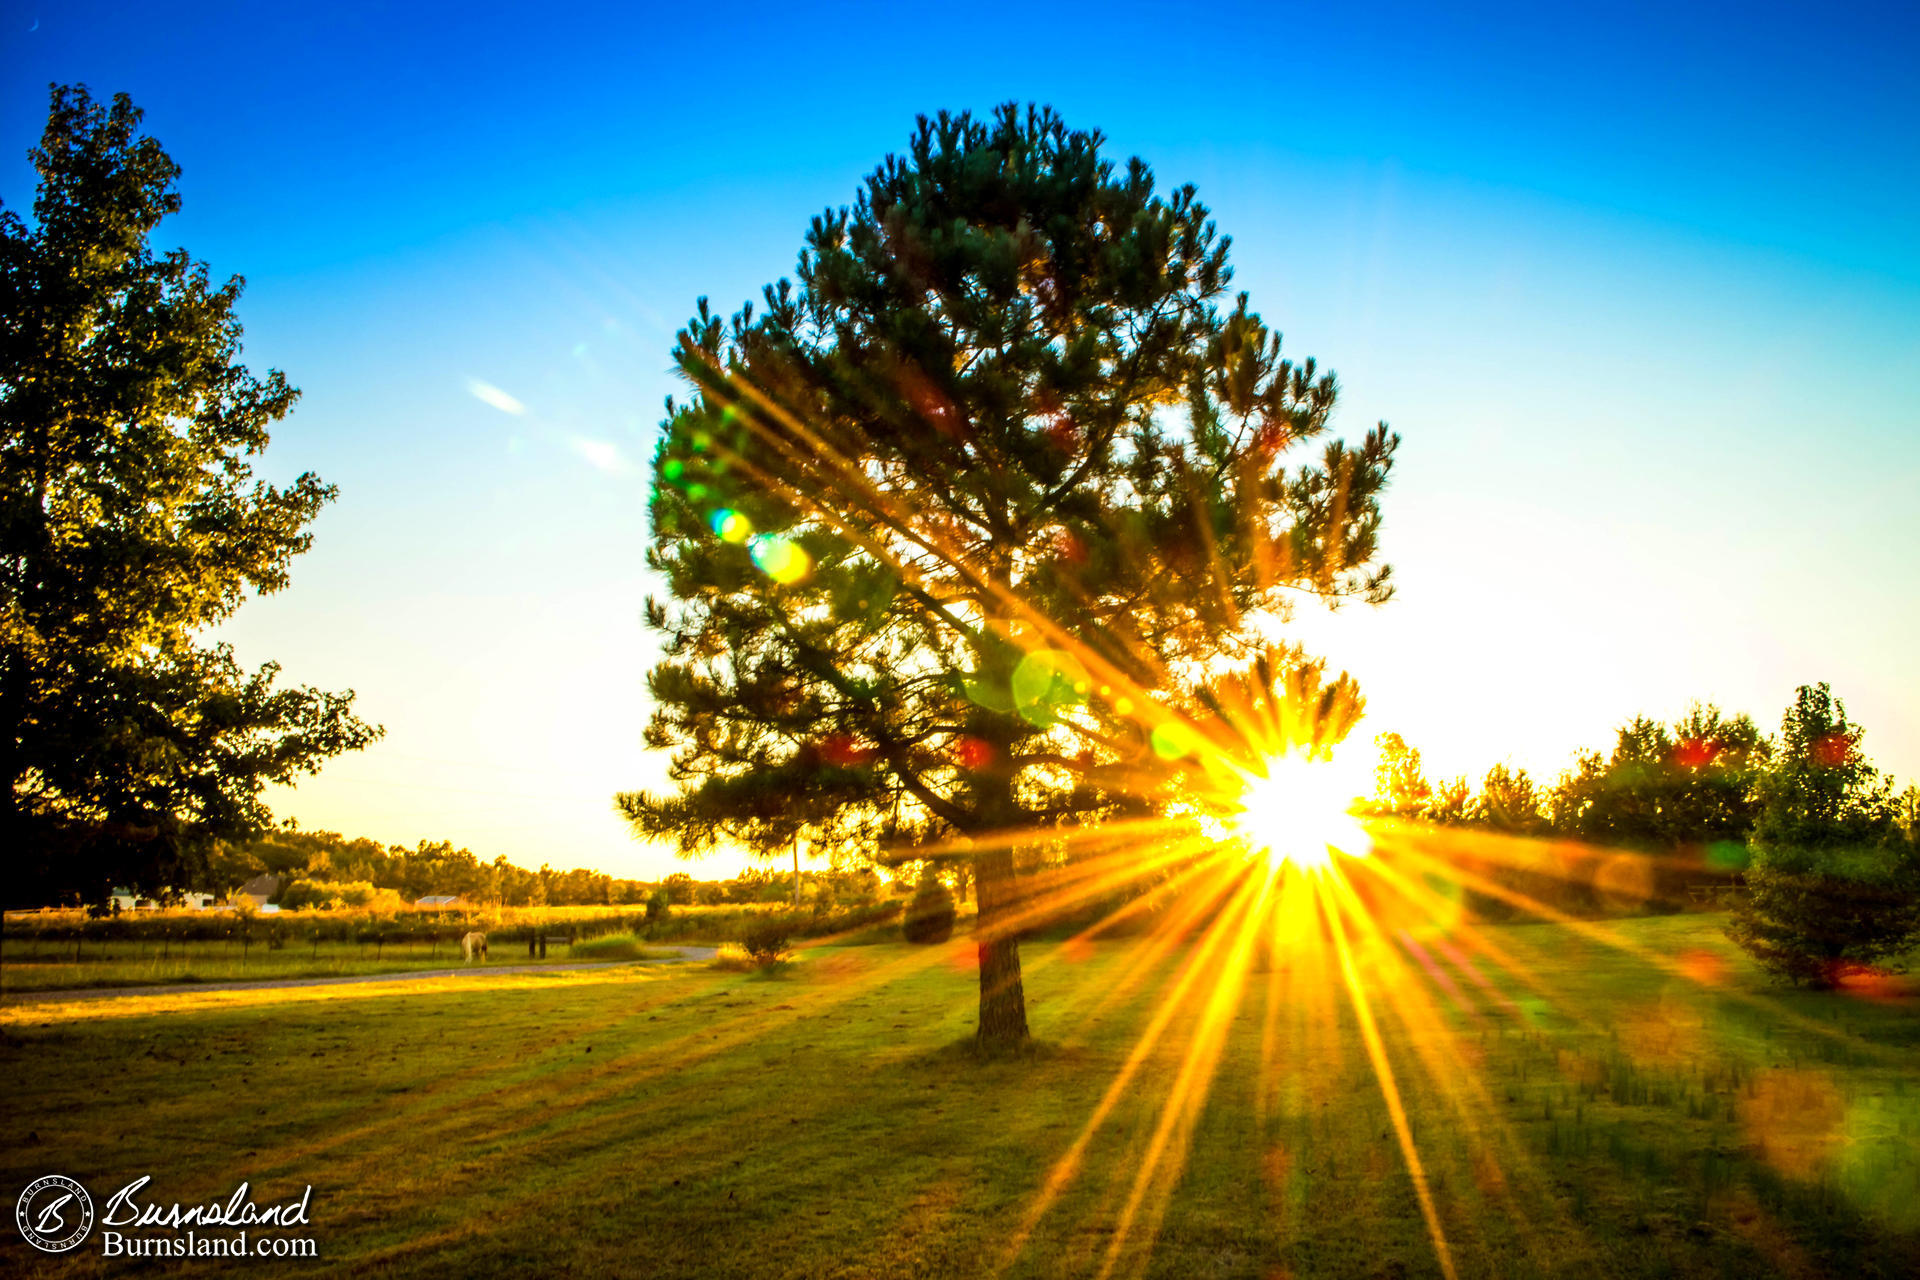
54,1214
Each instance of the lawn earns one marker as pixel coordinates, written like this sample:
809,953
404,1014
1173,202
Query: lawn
1575,1108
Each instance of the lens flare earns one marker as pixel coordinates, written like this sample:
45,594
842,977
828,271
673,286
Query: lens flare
1298,813
779,558
730,526
1173,740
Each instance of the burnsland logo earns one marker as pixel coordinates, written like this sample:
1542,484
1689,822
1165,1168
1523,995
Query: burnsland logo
55,1215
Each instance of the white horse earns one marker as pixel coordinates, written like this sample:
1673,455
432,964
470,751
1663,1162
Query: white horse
472,943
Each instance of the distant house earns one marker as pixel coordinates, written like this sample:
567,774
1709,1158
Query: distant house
259,889
437,900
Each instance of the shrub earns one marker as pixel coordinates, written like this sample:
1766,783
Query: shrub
768,940
1812,917
929,917
660,905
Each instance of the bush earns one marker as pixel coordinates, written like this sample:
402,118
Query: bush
1812,917
660,905
929,917
768,940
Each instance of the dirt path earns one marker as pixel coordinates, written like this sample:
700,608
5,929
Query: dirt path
687,955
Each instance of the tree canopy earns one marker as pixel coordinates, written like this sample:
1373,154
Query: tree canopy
962,532
1663,787
130,523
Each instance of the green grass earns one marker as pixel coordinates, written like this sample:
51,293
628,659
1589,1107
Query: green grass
51,966
1602,1115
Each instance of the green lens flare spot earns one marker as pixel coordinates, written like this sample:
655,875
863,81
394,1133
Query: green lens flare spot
986,693
696,491
1174,741
672,468
1046,682
781,559
1727,855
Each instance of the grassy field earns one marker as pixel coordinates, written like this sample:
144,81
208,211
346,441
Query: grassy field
1575,1109
50,966
48,951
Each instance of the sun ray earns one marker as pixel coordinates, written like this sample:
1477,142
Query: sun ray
1173,1135
1383,1073
1197,964
1437,1045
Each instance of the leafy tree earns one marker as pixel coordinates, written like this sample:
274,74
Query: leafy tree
1400,786
130,521
952,529
1834,885
229,866
1662,788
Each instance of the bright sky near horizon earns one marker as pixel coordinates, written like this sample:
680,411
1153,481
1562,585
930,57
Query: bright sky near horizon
1639,287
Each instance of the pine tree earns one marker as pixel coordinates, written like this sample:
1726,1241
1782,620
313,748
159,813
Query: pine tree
957,530
130,522
1834,885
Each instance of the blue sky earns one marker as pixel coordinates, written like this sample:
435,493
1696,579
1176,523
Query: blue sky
1640,288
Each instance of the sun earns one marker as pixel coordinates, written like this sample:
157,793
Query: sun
1298,813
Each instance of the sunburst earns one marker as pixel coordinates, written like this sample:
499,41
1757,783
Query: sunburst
1298,813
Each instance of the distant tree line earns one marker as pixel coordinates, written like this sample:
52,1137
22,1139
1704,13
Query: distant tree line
1826,853
1694,783
322,868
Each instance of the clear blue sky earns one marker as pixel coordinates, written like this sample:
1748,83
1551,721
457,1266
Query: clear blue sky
1640,287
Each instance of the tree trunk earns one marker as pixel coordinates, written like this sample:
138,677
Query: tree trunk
1003,1000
